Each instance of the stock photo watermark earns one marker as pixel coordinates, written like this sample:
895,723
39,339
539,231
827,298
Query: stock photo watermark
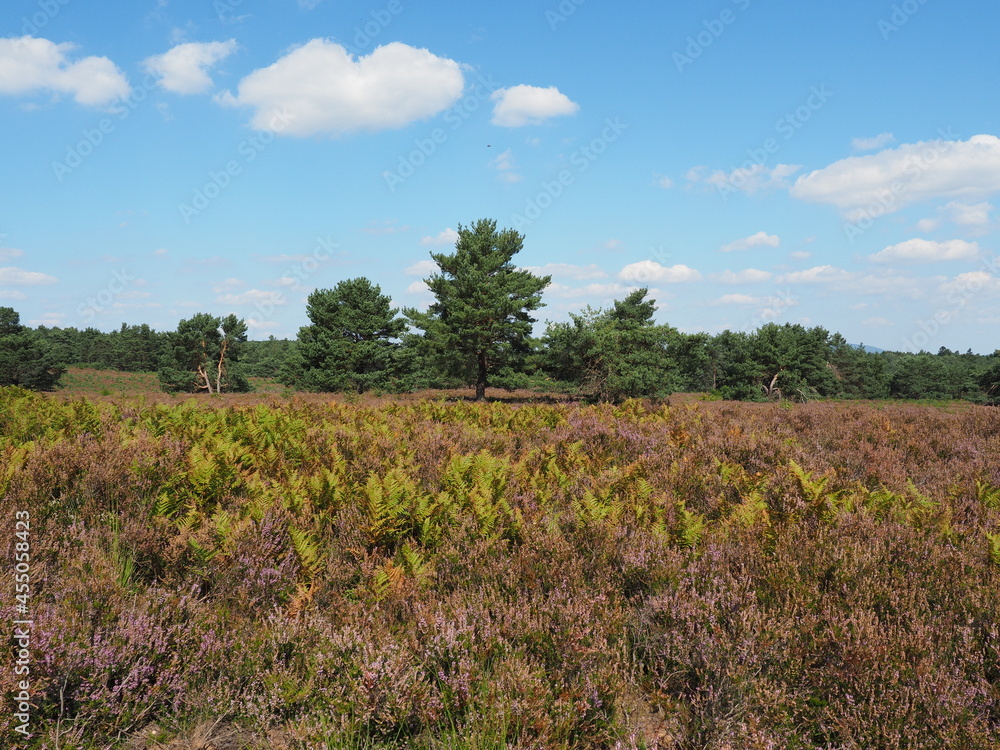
93,138
21,627
886,201
778,303
47,10
98,303
786,126
900,16
249,149
957,298
297,274
580,159
425,148
713,29
562,12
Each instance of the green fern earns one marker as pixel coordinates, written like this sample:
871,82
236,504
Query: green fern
307,550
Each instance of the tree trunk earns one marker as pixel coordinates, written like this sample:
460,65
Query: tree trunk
481,377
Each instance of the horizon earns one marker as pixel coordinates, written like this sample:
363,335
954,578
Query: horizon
748,163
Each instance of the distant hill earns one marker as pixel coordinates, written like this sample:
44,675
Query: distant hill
869,349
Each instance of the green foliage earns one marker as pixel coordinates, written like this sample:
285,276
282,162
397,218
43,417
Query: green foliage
615,354
204,355
479,324
348,346
26,359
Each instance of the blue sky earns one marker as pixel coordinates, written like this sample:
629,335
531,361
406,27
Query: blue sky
833,164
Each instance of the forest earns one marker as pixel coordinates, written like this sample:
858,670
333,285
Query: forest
478,333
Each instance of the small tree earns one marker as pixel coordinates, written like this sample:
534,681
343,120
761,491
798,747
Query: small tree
348,346
615,354
203,355
26,359
479,326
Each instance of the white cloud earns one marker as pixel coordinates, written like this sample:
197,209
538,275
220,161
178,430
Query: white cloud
972,282
227,285
746,276
445,237
649,270
892,179
529,105
598,292
816,275
742,300
7,253
876,322
418,287
664,182
569,271
184,69
927,251
321,88
754,179
20,277
761,239
250,296
871,144
928,225
966,215
505,164
12,294
253,324
422,268
28,65
800,254
161,252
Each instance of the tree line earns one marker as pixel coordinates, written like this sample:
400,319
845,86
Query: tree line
478,333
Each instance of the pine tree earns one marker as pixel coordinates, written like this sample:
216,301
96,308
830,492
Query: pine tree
348,345
479,327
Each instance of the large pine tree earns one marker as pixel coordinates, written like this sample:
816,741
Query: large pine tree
480,324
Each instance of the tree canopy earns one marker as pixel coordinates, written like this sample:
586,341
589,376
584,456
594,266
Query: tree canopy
348,345
203,355
479,327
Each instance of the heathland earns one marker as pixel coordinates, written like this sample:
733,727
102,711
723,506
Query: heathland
271,570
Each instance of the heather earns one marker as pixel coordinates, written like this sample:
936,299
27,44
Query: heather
382,573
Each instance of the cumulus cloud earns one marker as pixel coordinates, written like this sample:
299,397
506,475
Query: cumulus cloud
529,105
422,268
29,65
649,270
971,282
871,144
418,287
761,239
569,271
911,173
320,88
6,253
927,251
445,237
184,69
19,277
973,216
746,276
